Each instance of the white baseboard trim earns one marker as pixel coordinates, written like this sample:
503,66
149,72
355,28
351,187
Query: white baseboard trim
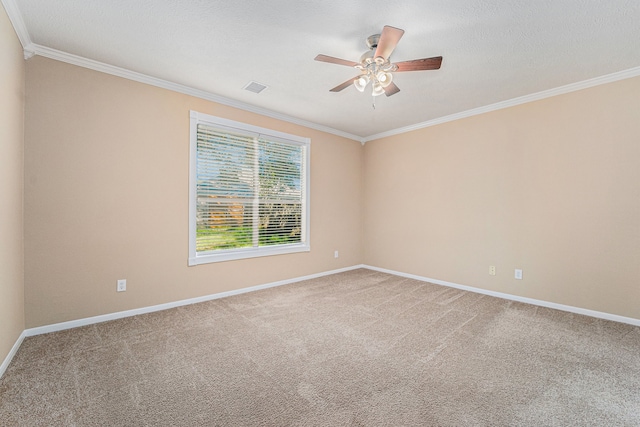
118,315
541,303
12,352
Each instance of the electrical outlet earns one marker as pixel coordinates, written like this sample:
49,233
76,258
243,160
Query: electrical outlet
492,270
335,254
518,274
122,285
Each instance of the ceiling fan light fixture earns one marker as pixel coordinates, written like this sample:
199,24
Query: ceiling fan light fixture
376,67
384,78
361,82
377,89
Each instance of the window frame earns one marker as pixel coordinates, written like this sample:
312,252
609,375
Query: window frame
196,258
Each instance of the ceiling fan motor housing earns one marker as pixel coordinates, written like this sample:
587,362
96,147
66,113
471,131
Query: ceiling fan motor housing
367,58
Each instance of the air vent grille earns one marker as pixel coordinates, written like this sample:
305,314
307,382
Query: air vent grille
255,87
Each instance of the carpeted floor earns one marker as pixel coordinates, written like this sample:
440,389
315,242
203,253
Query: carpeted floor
359,348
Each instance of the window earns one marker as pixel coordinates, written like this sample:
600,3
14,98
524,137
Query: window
249,190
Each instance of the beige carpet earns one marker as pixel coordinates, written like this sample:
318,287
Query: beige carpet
360,348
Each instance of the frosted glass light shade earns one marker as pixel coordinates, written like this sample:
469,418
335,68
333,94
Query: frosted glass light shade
384,78
361,82
377,89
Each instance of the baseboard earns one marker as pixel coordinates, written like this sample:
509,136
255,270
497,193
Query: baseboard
118,315
541,303
14,350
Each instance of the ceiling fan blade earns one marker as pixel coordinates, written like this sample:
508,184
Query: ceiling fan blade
420,64
391,89
388,40
332,60
343,85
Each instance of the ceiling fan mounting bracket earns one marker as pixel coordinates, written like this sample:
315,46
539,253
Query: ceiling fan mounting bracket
372,41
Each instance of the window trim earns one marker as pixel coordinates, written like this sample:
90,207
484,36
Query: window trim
242,253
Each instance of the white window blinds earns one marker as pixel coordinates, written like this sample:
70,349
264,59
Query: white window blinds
250,192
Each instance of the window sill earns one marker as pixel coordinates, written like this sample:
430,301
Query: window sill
230,255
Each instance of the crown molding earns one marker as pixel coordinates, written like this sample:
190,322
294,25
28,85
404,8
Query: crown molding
34,49
165,84
608,78
19,27
31,49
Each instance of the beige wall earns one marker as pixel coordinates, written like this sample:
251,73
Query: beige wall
551,187
11,173
106,197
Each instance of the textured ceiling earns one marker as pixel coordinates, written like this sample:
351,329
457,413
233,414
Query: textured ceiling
493,50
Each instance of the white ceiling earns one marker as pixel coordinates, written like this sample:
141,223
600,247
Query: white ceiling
493,50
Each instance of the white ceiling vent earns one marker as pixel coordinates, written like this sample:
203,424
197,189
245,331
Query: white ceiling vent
255,87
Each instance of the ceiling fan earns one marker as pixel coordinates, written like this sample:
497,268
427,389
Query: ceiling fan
376,67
